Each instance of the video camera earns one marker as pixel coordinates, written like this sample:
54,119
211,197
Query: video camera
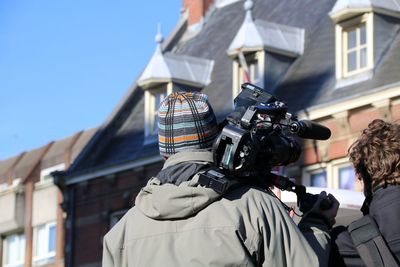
257,136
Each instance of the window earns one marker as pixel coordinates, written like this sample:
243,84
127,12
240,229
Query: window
318,179
157,98
3,187
344,175
337,174
253,69
347,178
45,174
14,250
254,63
153,98
44,244
355,49
315,175
354,46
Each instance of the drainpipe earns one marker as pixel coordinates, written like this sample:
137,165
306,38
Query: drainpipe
71,226
68,205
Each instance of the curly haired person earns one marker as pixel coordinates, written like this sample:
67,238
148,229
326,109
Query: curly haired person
375,156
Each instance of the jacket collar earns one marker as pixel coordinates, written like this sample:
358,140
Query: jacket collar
198,155
384,196
177,195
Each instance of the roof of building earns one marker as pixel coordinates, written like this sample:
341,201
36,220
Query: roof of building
172,67
49,155
6,167
57,152
259,34
310,80
343,5
29,161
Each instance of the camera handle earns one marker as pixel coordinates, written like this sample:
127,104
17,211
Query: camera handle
305,201
221,183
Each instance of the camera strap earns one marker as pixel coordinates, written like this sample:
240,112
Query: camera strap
217,181
370,243
221,183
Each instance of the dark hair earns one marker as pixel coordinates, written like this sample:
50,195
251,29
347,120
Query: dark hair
376,154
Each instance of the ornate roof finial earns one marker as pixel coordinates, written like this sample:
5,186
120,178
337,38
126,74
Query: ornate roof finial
248,6
159,38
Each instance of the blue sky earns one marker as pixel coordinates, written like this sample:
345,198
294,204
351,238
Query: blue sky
65,64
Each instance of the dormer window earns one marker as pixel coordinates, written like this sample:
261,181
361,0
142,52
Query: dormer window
355,23
251,71
355,45
153,98
164,72
157,97
248,68
45,174
258,42
354,49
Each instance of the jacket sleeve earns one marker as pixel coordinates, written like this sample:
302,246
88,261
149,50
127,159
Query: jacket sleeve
113,244
285,244
317,235
108,260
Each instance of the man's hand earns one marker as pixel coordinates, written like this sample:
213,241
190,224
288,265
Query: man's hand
328,214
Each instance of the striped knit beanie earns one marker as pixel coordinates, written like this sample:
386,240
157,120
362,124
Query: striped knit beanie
186,121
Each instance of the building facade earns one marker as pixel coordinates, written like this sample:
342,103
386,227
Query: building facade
334,62
32,221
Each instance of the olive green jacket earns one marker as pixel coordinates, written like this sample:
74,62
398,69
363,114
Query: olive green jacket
191,225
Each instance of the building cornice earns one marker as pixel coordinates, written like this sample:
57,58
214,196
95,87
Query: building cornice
379,94
101,172
149,83
344,14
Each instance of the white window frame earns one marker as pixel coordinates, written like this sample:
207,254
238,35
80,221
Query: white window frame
20,242
46,172
336,166
4,187
342,28
150,113
255,58
332,172
50,255
309,170
16,182
356,49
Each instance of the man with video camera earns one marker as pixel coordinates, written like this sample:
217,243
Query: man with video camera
374,239
176,221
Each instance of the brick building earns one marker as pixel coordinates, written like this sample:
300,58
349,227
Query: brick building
334,62
31,219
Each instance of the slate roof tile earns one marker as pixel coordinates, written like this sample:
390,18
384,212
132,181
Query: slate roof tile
310,80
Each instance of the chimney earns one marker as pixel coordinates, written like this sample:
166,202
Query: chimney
197,9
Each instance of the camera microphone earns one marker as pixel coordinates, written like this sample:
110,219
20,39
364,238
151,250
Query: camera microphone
310,130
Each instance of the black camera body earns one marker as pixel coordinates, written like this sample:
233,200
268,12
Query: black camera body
257,136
